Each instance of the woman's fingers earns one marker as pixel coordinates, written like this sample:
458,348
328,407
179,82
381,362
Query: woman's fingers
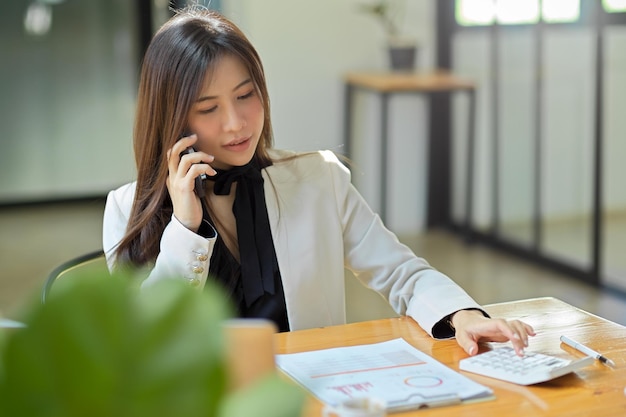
473,329
184,165
184,160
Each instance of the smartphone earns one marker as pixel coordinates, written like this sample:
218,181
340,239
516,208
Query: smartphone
199,181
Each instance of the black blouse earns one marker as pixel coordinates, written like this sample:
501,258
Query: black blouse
225,269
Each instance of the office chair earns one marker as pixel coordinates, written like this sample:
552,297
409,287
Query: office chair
88,262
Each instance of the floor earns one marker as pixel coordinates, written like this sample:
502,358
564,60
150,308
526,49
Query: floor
35,239
569,239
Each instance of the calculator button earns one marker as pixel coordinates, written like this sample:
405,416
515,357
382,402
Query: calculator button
503,363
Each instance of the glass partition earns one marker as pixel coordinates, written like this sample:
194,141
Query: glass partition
516,107
68,82
614,195
471,51
555,142
568,134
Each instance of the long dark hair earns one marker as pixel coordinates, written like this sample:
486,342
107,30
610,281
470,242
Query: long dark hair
182,53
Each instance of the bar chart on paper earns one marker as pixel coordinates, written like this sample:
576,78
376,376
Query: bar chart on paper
394,370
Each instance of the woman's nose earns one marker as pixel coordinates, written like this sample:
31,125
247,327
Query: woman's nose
233,119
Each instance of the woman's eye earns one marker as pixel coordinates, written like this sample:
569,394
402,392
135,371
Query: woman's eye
245,96
209,110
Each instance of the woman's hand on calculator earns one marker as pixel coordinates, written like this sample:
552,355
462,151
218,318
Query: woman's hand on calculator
471,327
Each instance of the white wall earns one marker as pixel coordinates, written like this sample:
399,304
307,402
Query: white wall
306,48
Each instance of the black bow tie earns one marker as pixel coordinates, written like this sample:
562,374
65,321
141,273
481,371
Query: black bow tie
259,266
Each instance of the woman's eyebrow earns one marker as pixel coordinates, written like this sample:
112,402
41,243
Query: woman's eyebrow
238,86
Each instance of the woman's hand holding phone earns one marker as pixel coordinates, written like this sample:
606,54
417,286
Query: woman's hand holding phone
184,167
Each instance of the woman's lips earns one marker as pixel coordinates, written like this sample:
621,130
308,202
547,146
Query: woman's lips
238,145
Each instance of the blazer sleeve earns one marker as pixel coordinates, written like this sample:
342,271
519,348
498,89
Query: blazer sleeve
377,258
183,254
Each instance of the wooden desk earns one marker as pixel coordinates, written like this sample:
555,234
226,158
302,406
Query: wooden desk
593,391
431,84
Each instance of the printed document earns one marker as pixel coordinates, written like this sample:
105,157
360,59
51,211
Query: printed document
394,370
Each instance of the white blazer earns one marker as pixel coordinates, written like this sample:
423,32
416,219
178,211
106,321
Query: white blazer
320,225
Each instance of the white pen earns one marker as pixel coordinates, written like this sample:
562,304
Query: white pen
586,350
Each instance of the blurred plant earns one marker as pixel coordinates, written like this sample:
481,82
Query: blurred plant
386,12
98,348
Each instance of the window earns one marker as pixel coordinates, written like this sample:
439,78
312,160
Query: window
510,12
560,11
614,6
475,12
513,12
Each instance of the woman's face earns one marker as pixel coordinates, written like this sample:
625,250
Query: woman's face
228,115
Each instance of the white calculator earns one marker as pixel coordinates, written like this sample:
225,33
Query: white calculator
532,368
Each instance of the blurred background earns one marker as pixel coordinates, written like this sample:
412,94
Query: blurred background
548,214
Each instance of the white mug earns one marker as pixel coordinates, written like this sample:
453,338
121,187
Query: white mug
357,407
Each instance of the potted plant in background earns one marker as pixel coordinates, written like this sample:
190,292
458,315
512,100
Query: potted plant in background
402,48
99,348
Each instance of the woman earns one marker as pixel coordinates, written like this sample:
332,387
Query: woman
276,229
